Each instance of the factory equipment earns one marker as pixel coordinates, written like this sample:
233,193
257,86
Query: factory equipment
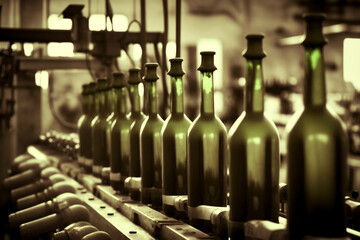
131,169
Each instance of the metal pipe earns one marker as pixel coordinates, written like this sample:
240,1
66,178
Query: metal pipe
178,28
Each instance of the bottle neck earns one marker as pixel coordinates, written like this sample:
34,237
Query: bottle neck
134,98
314,84
92,103
101,104
207,93
109,101
85,104
254,96
120,98
151,98
177,98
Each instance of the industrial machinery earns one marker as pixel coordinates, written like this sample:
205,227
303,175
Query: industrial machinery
132,175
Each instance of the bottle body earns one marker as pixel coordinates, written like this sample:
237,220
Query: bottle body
99,128
207,149
110,117
317,152
207,166
174,159
87,139
150,157
120,143
137,118
254,169
99,145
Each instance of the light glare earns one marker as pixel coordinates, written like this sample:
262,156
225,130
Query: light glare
351,57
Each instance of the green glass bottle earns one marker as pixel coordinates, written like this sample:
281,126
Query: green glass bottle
137,118
99,128
316,151
110,109
87,140
174,135
254,151
207,150
81,122
120,138
150,143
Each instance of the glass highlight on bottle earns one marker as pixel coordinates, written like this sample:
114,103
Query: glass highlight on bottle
137,117
174,135
317,152
120,138
207,149
150,143
254,151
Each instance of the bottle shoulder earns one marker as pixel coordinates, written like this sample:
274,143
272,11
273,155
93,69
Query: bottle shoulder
316,121
206,124
152,124
121,122
136,115
178,124
253,125
136,124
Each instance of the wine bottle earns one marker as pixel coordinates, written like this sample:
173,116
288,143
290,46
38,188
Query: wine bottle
120,138
207,150
99,128
81,123
87,140
110,108
174,135
316,151
137,118
254,151
150,143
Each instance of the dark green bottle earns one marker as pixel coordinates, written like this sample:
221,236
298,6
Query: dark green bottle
120,138
81,122
110,108
87,140
150,143
207,149
137,118
99,128
254,151
174,135
317,151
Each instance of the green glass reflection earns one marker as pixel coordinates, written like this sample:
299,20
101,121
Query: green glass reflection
317,153
207,147
173,133
120,142
150,149
254,151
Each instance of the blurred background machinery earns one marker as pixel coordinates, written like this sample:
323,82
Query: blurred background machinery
50,48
